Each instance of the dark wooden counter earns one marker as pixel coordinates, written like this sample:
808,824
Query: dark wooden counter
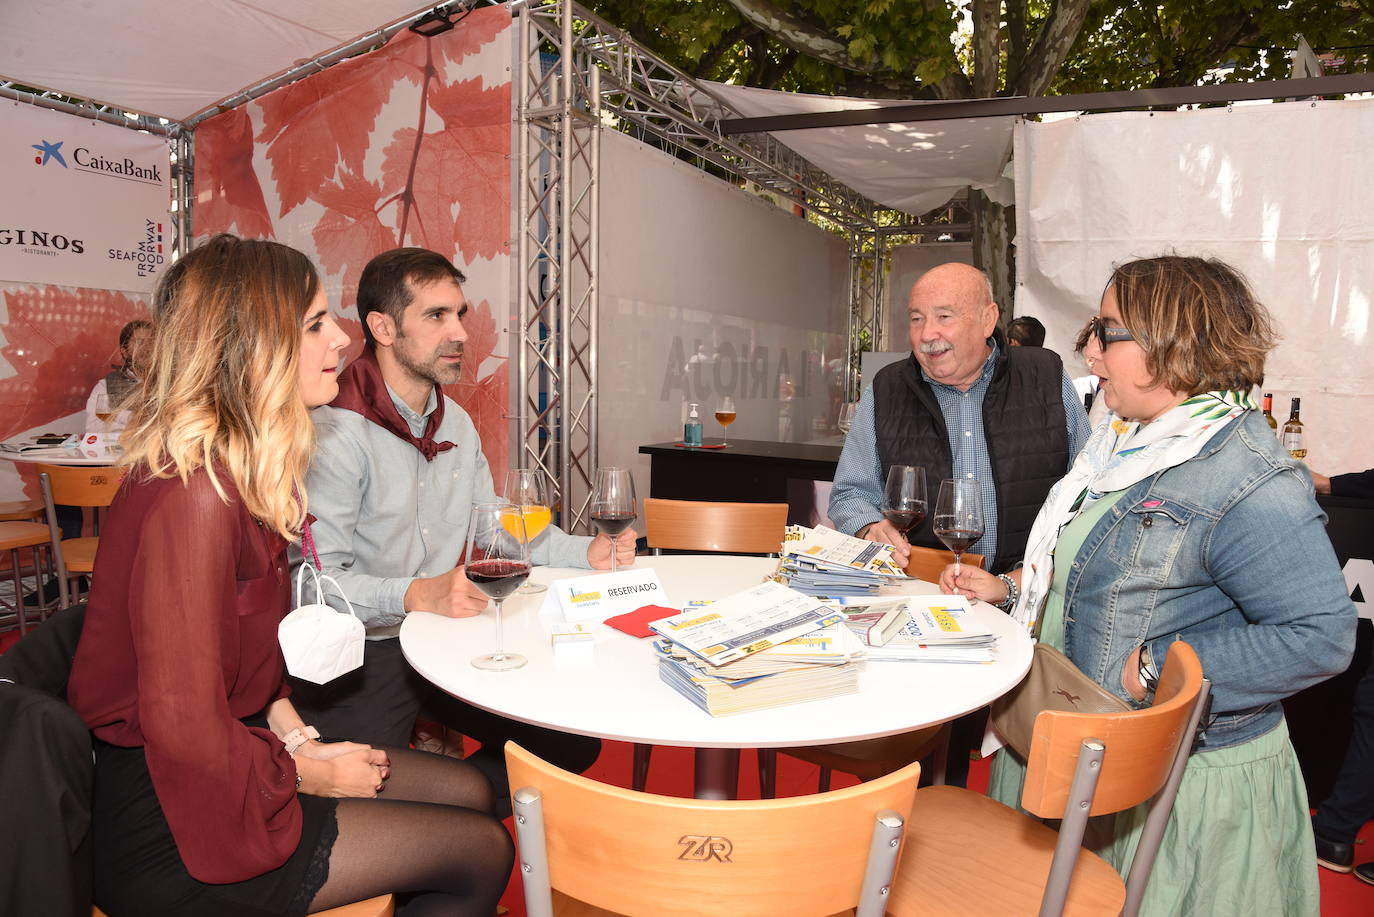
746,471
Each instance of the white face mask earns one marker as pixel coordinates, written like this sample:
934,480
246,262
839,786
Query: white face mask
319,643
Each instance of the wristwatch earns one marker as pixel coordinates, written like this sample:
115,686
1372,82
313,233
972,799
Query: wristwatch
297,737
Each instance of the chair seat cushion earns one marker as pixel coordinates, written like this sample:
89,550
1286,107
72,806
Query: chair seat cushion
22,535
968,854
79,554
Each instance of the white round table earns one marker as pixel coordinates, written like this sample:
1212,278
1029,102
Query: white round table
619,695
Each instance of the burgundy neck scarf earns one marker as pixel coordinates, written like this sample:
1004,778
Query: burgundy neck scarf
363,391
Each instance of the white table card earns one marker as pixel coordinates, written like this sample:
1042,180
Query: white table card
604,595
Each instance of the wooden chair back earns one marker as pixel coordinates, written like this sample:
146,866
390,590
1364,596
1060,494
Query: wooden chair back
82,486
732,528
926,563
641,853
1140,745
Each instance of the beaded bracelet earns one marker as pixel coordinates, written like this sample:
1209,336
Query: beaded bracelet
1012,592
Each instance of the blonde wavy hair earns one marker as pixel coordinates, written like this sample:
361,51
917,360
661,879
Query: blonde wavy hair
221,389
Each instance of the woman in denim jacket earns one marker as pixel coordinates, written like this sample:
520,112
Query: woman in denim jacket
1184,519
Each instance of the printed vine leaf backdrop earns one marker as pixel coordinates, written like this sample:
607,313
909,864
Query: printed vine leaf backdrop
406,145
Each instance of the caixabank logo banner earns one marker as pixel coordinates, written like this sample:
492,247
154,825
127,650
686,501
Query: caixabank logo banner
82,203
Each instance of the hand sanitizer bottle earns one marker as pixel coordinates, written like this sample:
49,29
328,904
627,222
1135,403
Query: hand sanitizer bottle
691,430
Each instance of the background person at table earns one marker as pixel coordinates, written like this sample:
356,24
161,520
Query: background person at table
209,800
397,469
1351,802
1025,331
963,405
135,345
1183,518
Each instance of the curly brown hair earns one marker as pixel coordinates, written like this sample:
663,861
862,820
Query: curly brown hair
1198,321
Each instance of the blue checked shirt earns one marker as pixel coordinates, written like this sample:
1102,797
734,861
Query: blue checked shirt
857,496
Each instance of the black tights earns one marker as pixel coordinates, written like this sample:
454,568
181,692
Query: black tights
428,837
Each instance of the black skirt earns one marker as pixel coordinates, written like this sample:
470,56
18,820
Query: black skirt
138,871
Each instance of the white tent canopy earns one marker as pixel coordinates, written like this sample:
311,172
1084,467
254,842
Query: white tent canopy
172,60
913,167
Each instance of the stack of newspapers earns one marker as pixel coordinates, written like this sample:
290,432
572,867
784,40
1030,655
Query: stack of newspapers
823,562
767,646
939,628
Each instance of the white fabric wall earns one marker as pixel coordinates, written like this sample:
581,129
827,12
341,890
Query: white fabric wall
1280,191
688,261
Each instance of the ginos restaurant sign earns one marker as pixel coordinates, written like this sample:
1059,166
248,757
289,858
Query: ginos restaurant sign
85,204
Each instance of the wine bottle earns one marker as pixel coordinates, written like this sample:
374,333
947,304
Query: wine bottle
1269,412
1292,432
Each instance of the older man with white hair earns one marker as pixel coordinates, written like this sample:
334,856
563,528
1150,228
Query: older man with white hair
964,405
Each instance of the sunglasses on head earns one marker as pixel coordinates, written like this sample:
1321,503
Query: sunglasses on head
1106,335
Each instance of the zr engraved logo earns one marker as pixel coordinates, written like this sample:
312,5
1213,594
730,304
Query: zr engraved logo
704,847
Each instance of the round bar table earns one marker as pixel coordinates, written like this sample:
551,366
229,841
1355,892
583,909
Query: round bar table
619,696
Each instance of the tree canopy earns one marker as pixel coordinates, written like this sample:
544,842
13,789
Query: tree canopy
980,48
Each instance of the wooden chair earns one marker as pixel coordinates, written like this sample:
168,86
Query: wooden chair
867,759
694,525
75,486
728,528
926,563
14,538
21,511
635,853
969,854
381,906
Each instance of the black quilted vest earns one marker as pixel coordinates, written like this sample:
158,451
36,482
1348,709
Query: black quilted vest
1023,421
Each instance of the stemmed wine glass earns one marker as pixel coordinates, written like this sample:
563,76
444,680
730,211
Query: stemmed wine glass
103,413
846,418
498,561
525,488
959,515
725,415
904,497
613,503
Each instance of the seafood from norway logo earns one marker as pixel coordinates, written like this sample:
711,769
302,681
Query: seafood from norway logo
146,253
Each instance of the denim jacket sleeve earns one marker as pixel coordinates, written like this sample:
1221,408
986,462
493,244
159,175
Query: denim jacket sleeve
1270,554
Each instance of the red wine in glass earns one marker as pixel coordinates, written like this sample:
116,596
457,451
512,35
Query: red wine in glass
904,520
613,523
497,578
498,562
959,516
613,505
958,540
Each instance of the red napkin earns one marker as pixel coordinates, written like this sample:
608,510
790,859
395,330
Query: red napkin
636,623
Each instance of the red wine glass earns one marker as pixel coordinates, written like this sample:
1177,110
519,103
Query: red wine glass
498,561
904,497
959,516
613,504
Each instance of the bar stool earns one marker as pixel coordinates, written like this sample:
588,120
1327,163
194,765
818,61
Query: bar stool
14,537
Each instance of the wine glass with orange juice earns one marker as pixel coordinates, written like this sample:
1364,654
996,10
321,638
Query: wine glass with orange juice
526,488
725,415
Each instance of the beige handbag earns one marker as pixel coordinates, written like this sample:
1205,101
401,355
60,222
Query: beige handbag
1053,683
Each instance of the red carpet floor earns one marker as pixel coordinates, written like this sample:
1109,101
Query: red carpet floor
671,774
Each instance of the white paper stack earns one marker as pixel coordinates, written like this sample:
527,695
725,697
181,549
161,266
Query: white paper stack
823,562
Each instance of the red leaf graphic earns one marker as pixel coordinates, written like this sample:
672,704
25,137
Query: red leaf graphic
349,233
465,163
228,195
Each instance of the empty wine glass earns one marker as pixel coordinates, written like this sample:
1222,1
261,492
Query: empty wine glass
498,561
904,497
846,418
613,504
959,515
725,415
526,488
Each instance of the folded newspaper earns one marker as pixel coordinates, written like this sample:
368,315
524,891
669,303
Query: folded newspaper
823,562
941,628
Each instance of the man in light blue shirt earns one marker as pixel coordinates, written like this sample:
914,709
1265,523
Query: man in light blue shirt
397,469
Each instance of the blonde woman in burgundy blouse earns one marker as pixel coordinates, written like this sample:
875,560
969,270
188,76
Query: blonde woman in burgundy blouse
211,795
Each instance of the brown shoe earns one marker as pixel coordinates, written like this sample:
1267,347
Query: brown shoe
437,740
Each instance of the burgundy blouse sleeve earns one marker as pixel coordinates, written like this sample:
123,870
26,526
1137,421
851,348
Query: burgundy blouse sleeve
227,790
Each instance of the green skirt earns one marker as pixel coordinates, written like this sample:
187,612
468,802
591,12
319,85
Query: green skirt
1239,840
